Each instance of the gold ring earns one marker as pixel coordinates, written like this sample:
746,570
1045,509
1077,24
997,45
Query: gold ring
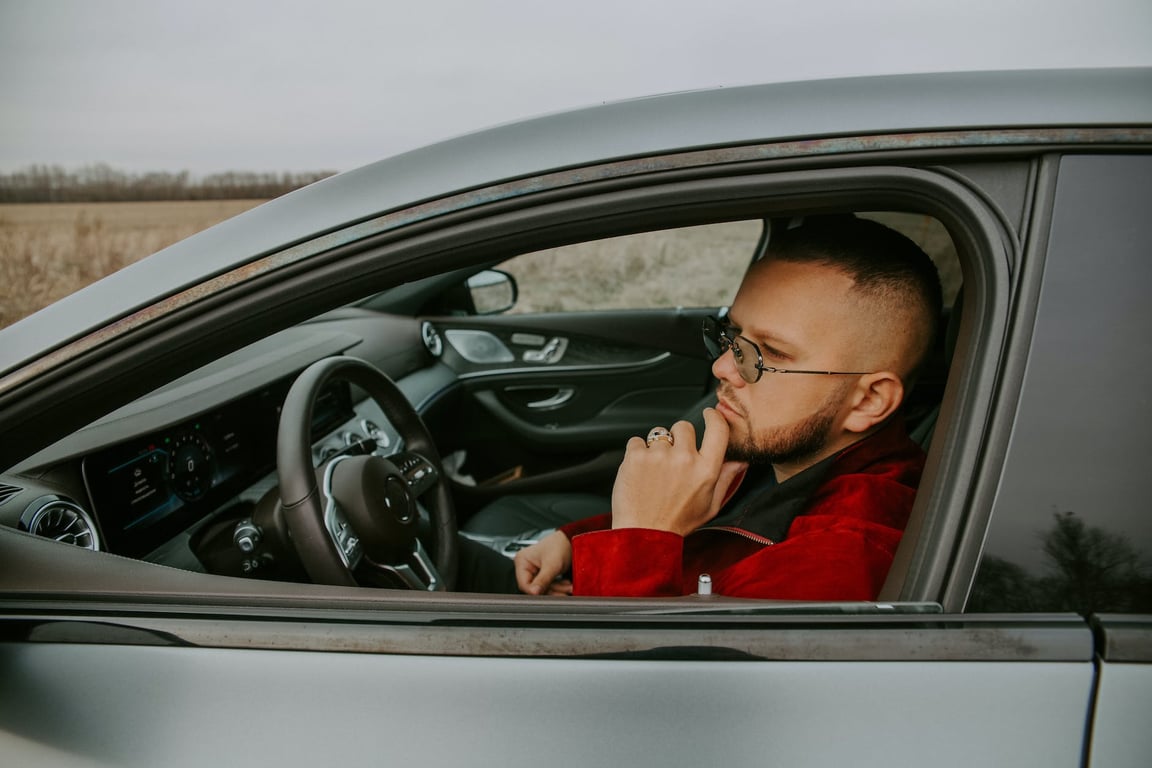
660,433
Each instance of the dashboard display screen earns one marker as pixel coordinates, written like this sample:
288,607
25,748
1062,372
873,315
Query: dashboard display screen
148,489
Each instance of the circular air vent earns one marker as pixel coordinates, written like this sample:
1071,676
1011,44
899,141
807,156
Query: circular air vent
373,431
432,339
61,520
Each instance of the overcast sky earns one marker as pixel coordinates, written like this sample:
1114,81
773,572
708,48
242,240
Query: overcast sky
213,85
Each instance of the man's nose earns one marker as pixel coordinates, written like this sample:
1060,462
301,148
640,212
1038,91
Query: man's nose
724,368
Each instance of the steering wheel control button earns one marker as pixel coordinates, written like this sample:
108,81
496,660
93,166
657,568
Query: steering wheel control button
418,471
345,539
350,545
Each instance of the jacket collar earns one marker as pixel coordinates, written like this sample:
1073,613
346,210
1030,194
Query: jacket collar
766,508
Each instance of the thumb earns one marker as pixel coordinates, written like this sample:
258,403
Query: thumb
550,567
526,572
539,583
715,441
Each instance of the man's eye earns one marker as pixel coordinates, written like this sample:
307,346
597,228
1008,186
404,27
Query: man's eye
775,354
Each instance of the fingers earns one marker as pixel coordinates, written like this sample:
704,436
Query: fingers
635,444
526,570
533,577
537,566
561,587
712,447
683,434
715,442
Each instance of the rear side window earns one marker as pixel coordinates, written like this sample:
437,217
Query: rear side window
650,270
685,267
1070,528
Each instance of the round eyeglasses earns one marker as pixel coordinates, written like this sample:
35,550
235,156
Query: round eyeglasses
720,337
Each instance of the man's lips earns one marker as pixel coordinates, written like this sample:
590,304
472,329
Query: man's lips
726,409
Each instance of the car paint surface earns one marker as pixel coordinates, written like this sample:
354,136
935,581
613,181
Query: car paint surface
682,122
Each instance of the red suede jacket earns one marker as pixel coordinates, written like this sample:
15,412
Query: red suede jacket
828,533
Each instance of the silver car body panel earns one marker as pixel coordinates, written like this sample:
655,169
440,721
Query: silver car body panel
150,705
947,104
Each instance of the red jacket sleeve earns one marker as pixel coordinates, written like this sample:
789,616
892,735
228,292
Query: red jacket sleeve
824,558
628,562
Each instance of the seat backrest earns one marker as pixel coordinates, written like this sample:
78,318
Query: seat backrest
922,433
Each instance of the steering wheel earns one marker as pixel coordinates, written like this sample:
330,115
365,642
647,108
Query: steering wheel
355,518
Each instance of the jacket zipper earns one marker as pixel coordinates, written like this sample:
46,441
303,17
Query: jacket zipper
741,532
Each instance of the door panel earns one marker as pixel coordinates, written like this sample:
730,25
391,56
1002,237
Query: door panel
546,395
1120,733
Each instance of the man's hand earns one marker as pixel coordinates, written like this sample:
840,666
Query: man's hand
675,487
538,566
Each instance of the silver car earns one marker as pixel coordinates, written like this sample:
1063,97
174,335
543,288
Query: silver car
181,583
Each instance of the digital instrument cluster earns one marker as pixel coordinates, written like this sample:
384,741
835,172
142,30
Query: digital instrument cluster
148,489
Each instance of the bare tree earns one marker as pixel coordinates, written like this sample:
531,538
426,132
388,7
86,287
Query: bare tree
102,183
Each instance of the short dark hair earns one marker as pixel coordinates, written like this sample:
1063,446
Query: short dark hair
880,260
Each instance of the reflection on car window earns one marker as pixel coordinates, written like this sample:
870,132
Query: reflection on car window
687,267
1084,568
1070,528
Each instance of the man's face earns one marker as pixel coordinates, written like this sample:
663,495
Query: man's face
801,316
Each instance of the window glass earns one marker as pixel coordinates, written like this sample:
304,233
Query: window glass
686,267
1070,528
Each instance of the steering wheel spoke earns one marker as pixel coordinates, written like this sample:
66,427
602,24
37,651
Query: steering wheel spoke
419,572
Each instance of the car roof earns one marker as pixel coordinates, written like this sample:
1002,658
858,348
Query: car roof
693,120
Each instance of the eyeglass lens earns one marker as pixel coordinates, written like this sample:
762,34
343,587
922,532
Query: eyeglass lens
719,338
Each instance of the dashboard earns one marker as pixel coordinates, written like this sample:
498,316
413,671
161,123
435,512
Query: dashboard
147,489
157,478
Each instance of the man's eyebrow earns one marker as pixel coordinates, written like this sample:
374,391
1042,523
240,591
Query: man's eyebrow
764,337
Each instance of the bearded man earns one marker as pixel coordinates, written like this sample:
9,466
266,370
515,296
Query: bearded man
804,477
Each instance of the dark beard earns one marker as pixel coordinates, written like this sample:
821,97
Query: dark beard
794,443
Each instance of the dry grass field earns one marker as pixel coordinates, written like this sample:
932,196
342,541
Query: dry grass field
650,269
49,250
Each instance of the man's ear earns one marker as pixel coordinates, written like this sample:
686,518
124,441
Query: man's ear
875,397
